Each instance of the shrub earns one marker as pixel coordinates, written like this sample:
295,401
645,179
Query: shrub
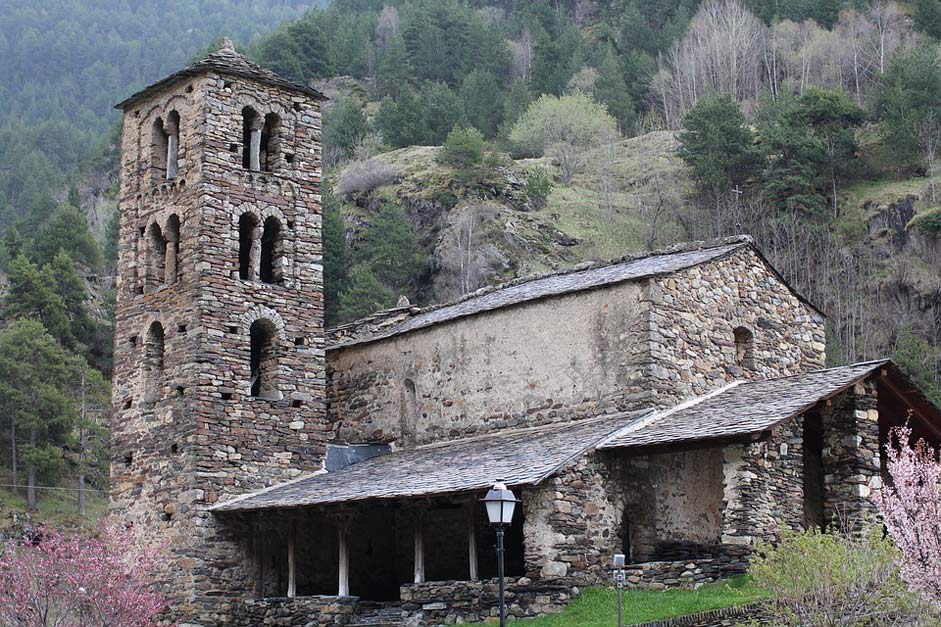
75,580
364,176
463,148
831,578
538,186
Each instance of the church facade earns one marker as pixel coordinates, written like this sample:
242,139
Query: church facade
675,407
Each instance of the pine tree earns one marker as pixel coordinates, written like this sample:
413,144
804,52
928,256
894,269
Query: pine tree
483,102
390,250
31,295
612,91
363,295
927,17
335,264
395,69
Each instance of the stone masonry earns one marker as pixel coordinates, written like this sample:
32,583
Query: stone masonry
187,429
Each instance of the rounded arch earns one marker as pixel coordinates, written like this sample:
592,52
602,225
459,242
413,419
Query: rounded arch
272,251
270,146
171,233
159,144
252,124
744,347
172,129
264,354
249,226
261,312
154,360
408,414
156,256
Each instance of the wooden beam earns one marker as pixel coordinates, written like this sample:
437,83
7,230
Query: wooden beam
343,529
471,541
292,575
914,409
420,547
259,562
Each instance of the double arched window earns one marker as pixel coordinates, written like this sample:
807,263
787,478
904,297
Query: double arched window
163,249
165,146
261,140
261,249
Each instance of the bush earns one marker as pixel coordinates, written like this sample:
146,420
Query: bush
463,148
830,578
538,186
364,176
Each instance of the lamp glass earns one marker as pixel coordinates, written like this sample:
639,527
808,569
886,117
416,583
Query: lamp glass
494,510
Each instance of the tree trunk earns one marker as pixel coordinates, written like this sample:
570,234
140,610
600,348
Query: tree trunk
16,483
83,443
31,476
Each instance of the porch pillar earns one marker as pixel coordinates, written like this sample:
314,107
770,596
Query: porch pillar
259,561
343,530
292,578
419,547
470,510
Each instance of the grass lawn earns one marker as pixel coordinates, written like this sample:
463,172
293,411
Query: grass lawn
57,508
597,607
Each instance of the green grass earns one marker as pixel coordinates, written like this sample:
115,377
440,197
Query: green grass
597,607
56,508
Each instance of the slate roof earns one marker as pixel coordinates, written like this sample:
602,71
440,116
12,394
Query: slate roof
653,264
740,409
226,60
519,457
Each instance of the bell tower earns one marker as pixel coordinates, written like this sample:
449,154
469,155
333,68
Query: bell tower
219,349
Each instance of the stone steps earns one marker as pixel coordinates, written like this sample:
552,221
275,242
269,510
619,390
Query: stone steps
378,616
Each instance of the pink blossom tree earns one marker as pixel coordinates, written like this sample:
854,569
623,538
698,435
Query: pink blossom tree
54,580
911,507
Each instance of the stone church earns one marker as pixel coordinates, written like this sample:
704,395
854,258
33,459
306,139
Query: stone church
675,407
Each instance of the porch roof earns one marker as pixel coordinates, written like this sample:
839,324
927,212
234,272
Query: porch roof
741,409
519,457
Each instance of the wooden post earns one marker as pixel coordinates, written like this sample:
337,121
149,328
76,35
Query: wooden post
259,562
420,547
343,529
471,541
292,575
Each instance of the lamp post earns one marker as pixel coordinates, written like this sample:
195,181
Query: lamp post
500,503
619,577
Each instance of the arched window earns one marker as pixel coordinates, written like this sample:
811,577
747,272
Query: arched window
408,422
154,361
172,130
271,252
156,257
159,144
270,143
744,348
264,360
248,246
252,125
172,238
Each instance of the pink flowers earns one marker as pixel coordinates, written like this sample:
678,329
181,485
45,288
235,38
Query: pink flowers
80,581
911,506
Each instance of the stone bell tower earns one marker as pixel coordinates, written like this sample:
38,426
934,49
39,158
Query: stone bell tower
219,347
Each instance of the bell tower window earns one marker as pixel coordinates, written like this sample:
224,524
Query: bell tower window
172,239
252,126
154,361
744,348
271,252
249,249
270,143
172,131
157,257
263,360
160,145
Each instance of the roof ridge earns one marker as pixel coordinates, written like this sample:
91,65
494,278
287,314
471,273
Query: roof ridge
858,364
664,413
281,484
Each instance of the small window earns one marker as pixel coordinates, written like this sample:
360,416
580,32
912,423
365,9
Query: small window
744,348
154,361
409,412
172,238
271,252
159,145
157,257
172,130
264,360
270,143
251,138
248,248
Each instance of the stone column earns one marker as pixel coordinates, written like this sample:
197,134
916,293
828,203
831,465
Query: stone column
173,148
254,150
292,575
343,536
419,547
470,510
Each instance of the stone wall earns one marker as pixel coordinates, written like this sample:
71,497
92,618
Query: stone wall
543,361
672,504
453,602
693,315
186,431
321,611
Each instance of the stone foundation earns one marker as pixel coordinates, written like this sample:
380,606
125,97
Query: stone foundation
320,611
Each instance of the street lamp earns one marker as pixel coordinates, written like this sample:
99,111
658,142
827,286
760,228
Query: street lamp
619,577
500,503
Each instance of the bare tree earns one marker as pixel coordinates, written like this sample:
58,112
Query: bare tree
928,132
387,27
522,53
